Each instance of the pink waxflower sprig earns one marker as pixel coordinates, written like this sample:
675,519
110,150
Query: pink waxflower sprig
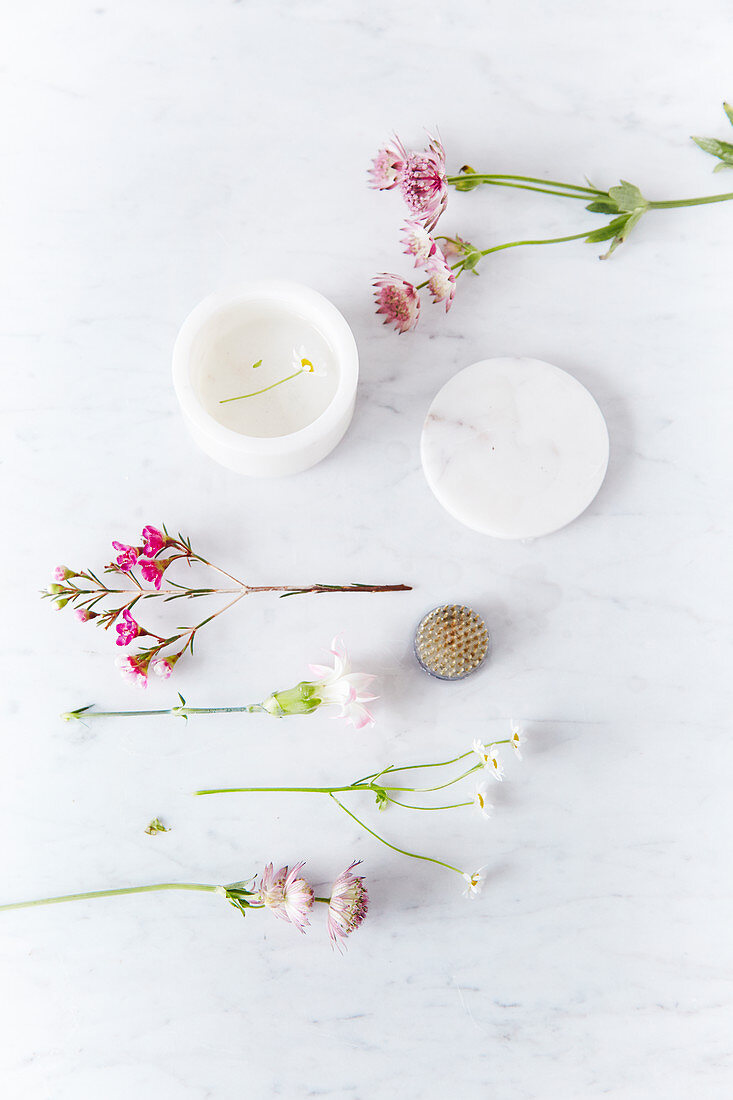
422,180
480,758
338,686
285,893
144,566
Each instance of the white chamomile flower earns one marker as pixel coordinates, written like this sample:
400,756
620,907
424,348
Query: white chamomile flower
517,738
302,363
479,800
474,883
489,758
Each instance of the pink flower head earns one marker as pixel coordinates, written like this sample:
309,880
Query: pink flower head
348,905
398,300
386,170
418,243
423,184
164,666
343,688
128,556
287,895
153,541
441,281
127,630
83,614
153,571
135,668
61,573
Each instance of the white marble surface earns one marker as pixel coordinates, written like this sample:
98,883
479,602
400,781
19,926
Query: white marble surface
154,152
514,448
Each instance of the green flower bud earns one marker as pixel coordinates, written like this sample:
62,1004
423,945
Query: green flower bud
302,699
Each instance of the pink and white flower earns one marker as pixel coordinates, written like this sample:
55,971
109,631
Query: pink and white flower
348,905
127,557
423,183
387,166
62,573
135,668
164,666
286,894
153,571
153,541
418,243
128,629
398,300
341,687
83,614
441,281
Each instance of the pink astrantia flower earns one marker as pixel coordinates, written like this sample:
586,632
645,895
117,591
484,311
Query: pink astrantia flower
128,556
286,894
441,281
153,541
348,905
418,243
127,630
343,688
398,300
423,183
153,571
135,668
386,170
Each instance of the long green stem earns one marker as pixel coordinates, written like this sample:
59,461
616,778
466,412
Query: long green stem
409,806
545,240
113,893
703,201
288,790
180,712
402,851
257,392
496,178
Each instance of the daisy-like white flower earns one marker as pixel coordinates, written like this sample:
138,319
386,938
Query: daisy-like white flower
418,243
398,300
286,894
489,758
302,363
480,802
348,905
387,166
474,883
517,738
441,280
423,184
343,688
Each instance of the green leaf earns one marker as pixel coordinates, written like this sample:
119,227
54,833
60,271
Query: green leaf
611,230
381,797
603,206
467,184
627,197
722,149
257,364
472,259
624,231
721,166
729,111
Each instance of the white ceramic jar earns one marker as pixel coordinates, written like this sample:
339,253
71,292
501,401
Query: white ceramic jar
266,376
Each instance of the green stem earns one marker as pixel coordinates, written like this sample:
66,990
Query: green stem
180,712
495,179
546,240
409,806
402,851
257,392
673,203
289,790
112,893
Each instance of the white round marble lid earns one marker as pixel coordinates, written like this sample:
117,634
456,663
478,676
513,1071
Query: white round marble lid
514,448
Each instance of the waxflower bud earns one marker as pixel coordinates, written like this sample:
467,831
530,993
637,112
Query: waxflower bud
62,573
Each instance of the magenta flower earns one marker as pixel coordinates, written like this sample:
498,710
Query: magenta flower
127,630
153,541
441,281
128,556
153,571
398,300
423,183
386,170
287,895
135,668
348,905
418,243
